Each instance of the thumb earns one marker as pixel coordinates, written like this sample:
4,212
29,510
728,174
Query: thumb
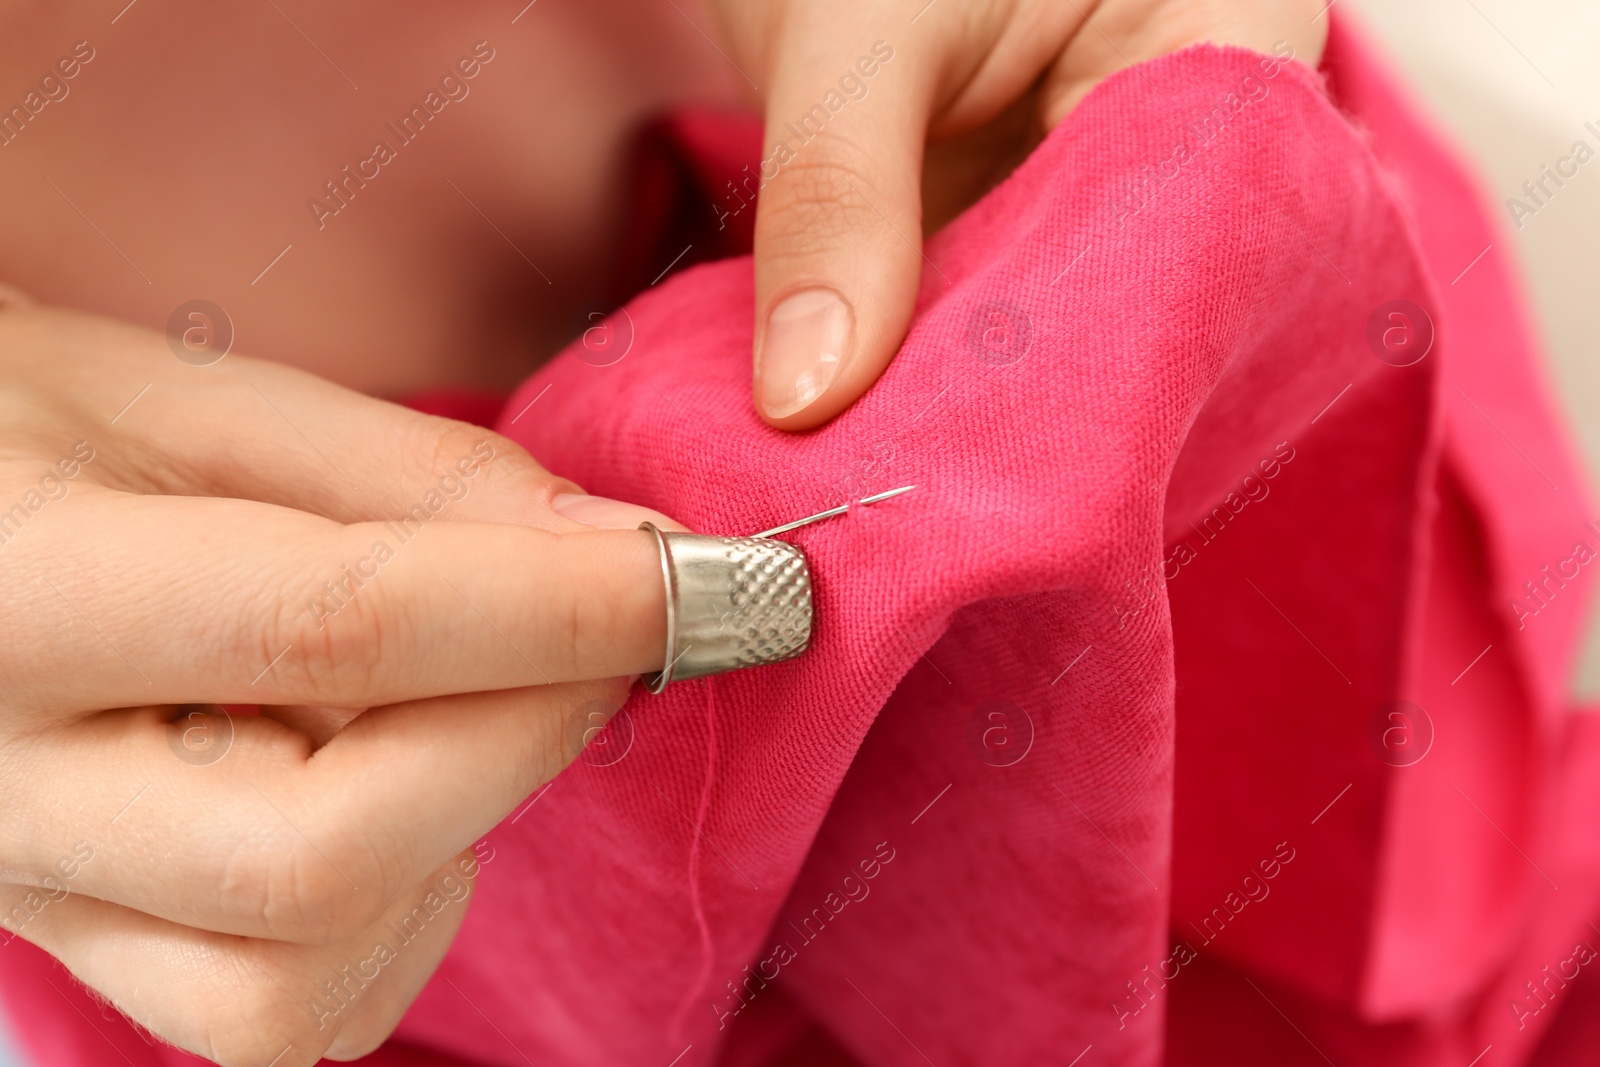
838,241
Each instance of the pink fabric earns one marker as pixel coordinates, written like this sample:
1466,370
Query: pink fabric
1121,351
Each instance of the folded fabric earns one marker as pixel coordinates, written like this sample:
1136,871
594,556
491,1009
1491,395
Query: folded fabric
1194,698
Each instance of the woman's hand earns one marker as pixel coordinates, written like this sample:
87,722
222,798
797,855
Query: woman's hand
266,888
853,90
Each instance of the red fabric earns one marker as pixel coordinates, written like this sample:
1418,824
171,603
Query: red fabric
1118,353
694,179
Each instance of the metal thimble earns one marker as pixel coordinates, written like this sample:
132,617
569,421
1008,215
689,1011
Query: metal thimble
731,602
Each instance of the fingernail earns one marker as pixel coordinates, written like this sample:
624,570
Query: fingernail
806,343
603,512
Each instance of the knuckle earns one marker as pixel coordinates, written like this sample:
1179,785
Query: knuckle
262,1008
581,625
593,625
343,633
448,450
319,893
435,443
825,175
457,462
814,200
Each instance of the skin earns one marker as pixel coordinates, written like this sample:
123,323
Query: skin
970,88
468,669
165,574
195,137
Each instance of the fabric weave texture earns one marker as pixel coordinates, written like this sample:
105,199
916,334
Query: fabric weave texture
1092,754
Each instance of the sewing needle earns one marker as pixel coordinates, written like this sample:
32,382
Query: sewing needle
831,512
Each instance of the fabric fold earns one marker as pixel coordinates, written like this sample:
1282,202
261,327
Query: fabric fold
1204,702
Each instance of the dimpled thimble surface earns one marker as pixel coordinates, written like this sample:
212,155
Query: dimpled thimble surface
732,602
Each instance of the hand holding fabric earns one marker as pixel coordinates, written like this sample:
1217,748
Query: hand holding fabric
854,91
429,634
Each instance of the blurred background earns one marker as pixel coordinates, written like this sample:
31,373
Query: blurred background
1512,83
